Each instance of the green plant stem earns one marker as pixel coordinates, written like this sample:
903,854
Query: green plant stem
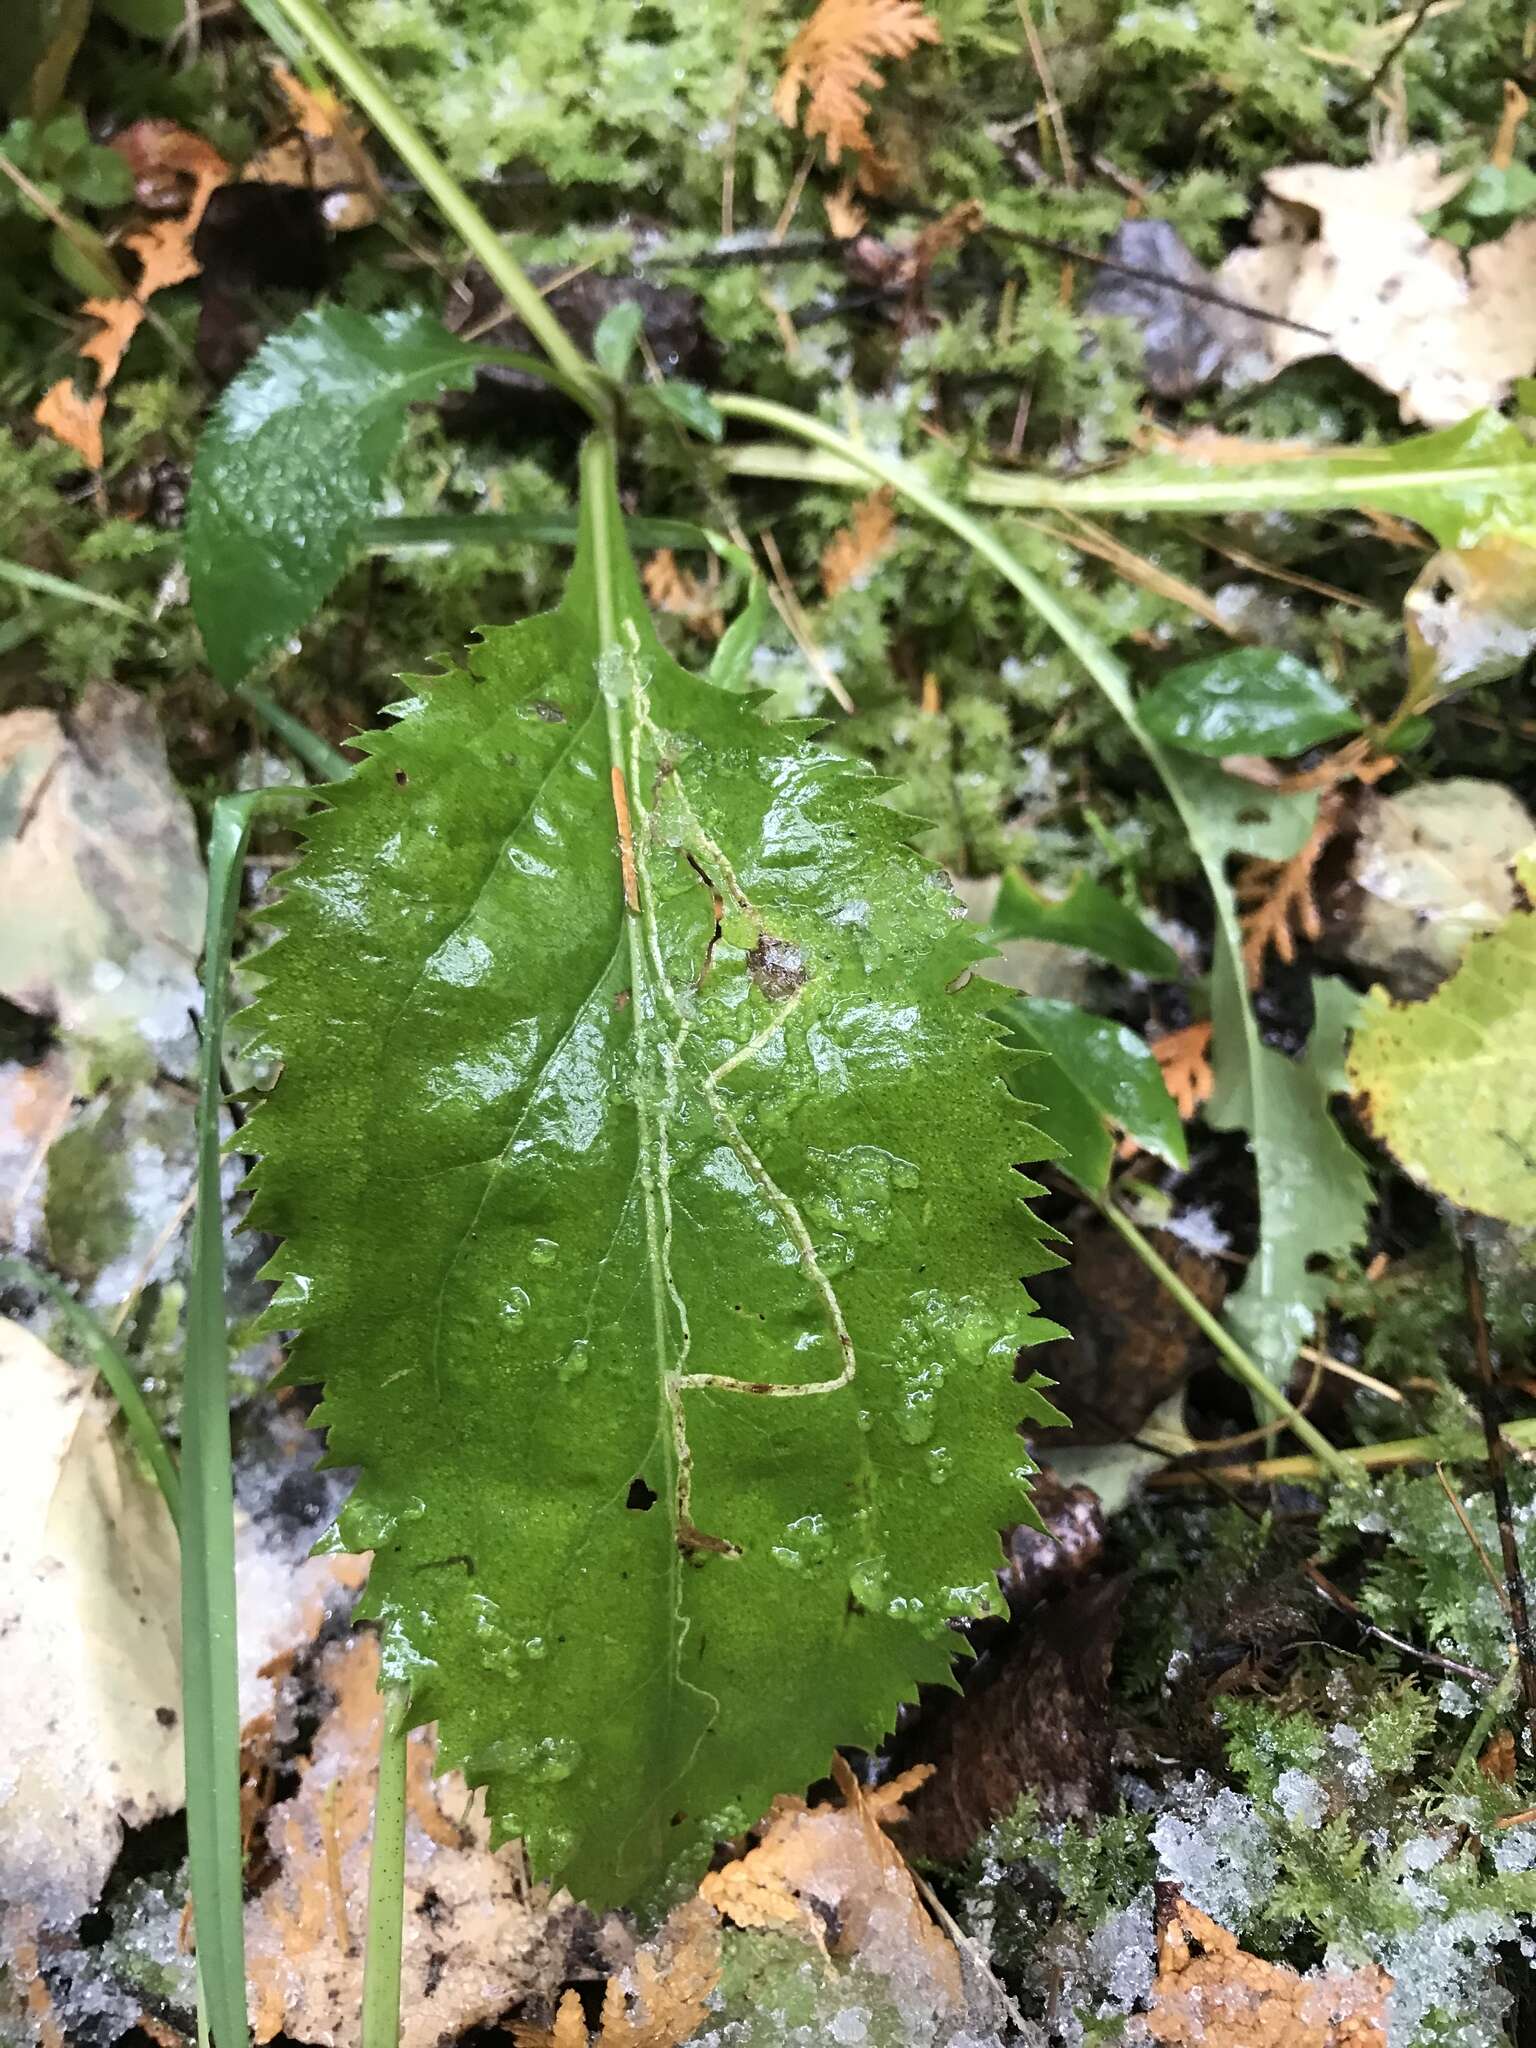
1467,1449
387,535
353,71
1204,490
386,1880
114,1369
318,755
1232,1355
23,578
210,1673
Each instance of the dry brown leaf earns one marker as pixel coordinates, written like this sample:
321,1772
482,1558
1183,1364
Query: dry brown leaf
160,156
1516,107
672,588
660,2002
851,554
831,61
73,419
1497,1761
1185,1058
827,1866
1211,1994
475,1940
323,152
1343,253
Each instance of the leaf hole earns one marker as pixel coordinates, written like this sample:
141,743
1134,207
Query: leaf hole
401,778
640,1496
678,1819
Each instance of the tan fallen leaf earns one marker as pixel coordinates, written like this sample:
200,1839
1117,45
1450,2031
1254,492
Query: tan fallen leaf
1343,253
90,1617
477,1940
834,1866
119,322
1210,1993
852,553
832,62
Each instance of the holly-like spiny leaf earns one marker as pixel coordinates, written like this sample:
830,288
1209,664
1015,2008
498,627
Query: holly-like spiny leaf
646,1177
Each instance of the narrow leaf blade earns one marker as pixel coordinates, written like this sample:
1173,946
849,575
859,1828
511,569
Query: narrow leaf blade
1087,916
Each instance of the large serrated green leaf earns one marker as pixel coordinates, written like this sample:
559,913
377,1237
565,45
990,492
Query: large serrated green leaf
661,1263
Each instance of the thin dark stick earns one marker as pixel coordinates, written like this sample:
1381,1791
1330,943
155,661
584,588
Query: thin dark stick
1514,1575
1206,293
1389,60
1351,1609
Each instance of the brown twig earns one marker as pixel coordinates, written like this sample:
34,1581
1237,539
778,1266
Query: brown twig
1498,1475
1340,1600
1359,99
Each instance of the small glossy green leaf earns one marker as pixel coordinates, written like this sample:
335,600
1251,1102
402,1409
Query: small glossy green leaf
1446,1083
84,261
1112,1069
691,404
654,1227
292,464
1249,700
1088,916
613,344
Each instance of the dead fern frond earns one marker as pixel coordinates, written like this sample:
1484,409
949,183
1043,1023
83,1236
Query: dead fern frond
663,2003
1185,1058
1277,901
672,588
832,61
852,552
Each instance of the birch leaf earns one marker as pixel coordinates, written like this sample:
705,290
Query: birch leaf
647,1182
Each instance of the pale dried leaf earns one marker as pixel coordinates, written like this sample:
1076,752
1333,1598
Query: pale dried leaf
91,1621
853,552
845,217
475,1940
1342,251
1211,1994
831,61
833,1866
101,882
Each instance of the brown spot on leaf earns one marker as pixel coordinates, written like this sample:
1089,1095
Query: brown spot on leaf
778,968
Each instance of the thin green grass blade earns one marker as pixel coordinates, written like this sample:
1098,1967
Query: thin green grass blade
114,1369
386,1880
210,1683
